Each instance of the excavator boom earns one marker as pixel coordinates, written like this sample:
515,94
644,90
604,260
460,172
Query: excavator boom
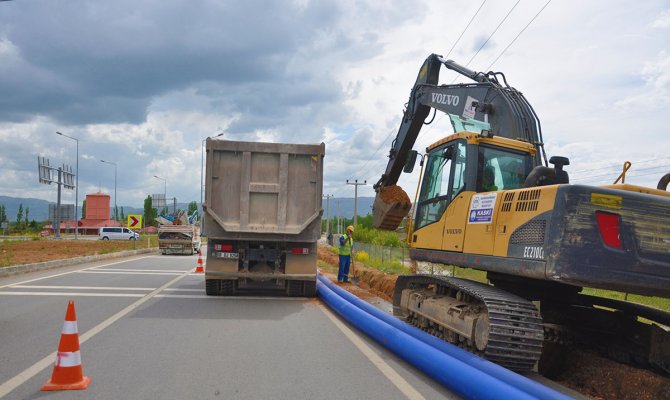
485,105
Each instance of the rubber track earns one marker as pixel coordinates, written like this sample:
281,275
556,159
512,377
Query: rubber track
516,332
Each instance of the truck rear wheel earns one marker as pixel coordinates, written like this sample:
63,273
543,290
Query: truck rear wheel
213,287
227,287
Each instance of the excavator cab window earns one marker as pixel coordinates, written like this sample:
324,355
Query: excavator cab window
502,169
459,124
444,178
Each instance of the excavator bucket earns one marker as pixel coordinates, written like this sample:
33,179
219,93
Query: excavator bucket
390,207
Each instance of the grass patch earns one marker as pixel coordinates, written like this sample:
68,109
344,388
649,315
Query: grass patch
652,301
390,267
324,266
47,249
469,273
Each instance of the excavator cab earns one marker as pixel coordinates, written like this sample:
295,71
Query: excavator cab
464,164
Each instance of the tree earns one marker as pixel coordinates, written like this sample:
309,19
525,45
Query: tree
123,217
149,214
25,221
192,207
19,215
3,214
83,209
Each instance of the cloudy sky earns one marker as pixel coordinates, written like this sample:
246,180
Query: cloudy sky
142,83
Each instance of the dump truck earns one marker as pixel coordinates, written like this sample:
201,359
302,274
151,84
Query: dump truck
262,217
179,239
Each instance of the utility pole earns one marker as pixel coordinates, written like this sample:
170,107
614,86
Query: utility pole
328,197
356,185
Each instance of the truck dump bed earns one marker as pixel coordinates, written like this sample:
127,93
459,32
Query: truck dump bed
262,215
263,190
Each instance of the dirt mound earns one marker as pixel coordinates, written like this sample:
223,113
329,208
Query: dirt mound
379,283
602,378
394,194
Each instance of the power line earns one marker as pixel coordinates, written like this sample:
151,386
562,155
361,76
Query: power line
494,32
519,34
613,165
627,177
466,28
590,178
385,141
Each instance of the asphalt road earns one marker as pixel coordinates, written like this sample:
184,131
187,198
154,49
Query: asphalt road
148,331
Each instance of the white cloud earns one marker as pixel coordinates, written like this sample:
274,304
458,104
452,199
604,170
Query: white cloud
141,91
663,20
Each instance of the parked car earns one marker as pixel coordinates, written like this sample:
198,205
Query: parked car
114,233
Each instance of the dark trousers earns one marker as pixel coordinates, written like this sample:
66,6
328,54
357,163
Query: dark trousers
343,272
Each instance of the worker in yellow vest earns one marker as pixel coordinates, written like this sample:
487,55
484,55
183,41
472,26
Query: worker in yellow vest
346,245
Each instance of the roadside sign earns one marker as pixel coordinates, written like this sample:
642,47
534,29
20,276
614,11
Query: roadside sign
135,221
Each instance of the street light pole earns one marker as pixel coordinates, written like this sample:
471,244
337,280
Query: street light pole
164,189
114,164
76,188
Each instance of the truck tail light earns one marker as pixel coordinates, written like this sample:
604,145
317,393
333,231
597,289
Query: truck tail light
300,250
223,247
609,228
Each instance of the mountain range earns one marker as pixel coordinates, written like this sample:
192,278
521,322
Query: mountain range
39,209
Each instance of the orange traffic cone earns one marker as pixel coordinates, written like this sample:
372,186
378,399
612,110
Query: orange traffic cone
68,374
199,269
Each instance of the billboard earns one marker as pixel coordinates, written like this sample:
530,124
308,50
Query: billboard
66,212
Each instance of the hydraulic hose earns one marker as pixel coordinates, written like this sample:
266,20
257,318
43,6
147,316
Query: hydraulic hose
520,382
458,376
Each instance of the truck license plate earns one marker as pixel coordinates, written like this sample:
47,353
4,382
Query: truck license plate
229,255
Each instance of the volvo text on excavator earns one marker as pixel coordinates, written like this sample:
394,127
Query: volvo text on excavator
487,199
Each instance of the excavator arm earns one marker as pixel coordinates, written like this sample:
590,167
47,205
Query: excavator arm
485,104
502,109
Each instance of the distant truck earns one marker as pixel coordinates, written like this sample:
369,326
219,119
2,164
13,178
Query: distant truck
179,239
262,217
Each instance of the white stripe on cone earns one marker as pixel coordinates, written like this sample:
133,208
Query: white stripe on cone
70,327
68,359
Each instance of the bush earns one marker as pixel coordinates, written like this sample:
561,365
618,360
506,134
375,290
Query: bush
362,256
377,236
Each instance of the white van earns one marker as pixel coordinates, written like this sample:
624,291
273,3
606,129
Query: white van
114,233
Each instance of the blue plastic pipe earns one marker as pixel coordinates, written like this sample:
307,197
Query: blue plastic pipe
521,382
464,379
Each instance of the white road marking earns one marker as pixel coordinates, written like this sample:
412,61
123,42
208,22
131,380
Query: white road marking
72,272
146,289
132,273
229,298
85,287
71,294
166,296
36,368
141,270
398,381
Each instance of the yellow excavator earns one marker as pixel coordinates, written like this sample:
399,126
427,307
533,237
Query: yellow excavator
487,199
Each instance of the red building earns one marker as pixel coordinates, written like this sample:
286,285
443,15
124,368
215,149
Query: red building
97,215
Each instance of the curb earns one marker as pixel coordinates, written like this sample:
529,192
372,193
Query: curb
41,266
